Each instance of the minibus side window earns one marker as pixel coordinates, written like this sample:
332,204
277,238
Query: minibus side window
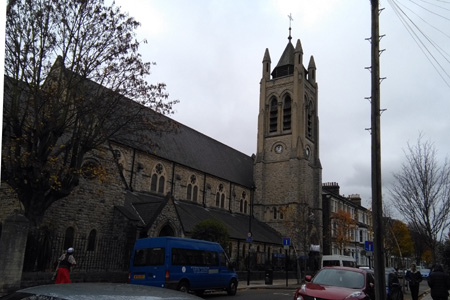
190,257
179,257
211,258
148,257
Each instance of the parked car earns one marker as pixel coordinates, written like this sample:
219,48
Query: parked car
336,283
97,291
425,272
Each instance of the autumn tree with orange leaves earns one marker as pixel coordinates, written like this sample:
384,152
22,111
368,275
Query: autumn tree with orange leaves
398,241
343,225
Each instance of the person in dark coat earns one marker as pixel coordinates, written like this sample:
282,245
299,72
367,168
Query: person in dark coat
394,289
414,277
439,282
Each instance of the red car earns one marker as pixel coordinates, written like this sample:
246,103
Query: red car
338,283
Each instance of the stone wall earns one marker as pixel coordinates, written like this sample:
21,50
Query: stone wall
12,250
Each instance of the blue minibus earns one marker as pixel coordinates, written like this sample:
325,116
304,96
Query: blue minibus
182,264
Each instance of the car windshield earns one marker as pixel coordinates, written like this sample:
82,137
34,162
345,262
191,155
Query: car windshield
341,278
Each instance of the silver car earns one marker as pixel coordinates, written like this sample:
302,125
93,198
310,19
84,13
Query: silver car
97,291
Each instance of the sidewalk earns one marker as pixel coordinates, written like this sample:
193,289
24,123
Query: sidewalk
276,284
425,295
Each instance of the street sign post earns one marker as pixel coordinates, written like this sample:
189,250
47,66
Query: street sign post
286,244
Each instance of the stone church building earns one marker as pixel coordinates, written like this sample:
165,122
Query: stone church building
166,187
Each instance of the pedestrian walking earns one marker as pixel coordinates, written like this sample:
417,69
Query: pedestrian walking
414,278
66,262
439,282
394,287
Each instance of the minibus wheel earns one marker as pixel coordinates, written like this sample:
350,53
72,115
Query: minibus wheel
232,287
183,286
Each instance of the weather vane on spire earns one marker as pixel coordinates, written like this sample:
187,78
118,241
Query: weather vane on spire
290,20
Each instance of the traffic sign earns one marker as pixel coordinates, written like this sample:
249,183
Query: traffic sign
368,246
286,241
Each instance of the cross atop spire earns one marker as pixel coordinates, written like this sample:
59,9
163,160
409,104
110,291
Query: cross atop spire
290,20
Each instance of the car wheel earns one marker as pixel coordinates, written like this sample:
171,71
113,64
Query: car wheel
183,286
232,287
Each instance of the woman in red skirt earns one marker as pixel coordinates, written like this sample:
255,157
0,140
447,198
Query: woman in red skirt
65,264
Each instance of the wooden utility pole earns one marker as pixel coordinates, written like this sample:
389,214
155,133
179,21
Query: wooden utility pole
377,203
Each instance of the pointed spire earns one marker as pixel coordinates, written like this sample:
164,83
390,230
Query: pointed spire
285,65
312,63
298,53
312,70
266,65
266,56
298,47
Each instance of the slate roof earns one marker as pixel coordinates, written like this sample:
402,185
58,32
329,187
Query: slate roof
183,145
285,65
287,58
237,224
190,148
144,206
147,206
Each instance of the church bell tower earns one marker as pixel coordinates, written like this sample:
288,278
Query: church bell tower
287,169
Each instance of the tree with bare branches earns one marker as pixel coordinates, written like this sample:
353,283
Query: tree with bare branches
71,68
421,192
299,222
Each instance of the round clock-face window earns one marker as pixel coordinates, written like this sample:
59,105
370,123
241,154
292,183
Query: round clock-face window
278,148
307,152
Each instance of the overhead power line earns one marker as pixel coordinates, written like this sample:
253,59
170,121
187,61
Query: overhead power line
420,20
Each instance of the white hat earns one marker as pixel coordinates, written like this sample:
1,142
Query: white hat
70,250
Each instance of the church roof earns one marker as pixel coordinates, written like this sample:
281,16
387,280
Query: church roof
285,65
185,146
145,206
237,224
287,58
195,150
157,134
164,137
